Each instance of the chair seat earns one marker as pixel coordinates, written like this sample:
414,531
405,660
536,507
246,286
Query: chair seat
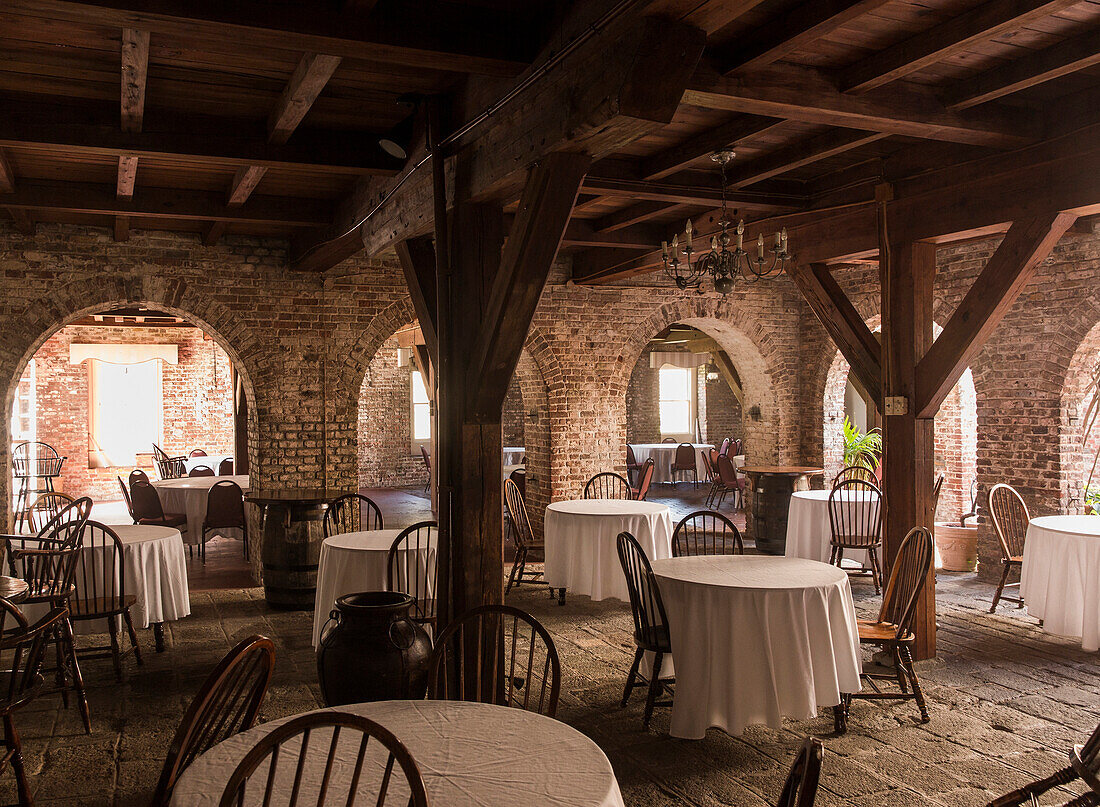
100,607
1016,559
654,638
169,520
879,631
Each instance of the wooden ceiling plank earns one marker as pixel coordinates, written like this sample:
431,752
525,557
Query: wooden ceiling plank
1068,56
635,214
213,233
310,77
954,36
805,152
726,135
580,233
707,194
127,176
244,183
7,176
122,228
135,72
24,222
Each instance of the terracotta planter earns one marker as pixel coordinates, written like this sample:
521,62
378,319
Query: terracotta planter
957,547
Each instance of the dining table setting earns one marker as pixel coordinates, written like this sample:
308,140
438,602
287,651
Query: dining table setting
1060,576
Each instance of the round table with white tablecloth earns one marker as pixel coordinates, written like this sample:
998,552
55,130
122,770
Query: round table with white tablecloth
1060,578
211,461
580,535
467,754
809,534
756,639
352,562
188,495
663,454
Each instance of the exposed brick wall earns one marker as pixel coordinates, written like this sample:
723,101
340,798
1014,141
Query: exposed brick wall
723,411
513,418
386,456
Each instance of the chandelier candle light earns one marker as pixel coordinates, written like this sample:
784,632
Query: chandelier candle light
722,264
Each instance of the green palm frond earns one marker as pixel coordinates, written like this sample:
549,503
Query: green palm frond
861,449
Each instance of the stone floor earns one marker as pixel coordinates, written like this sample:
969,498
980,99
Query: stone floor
1007,702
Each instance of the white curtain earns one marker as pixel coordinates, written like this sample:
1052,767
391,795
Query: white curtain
123,354
659,360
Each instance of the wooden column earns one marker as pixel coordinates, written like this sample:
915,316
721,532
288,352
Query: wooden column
908,270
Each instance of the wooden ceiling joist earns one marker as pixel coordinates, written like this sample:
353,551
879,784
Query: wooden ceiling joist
135,72
706,193
726,135
797,155
634,214
7,176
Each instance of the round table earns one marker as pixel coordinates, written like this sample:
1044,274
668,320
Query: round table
211,461
772,486
468,754
580,549
664,453
756,639
352,562
1060,578
809,534
13,589
188,495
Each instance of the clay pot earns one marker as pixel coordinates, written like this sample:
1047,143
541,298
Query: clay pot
370,650
957,547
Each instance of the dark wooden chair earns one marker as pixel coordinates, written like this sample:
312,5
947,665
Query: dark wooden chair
224,510
148,509
519,476
608,485
729,481
196,452
1084,760
101,593
800,789
936,490
352,513
135,475
427,457
23,649
201,470
706,532
126,498
892,631
1010,518
860,472
522,533
632,464
46,507
497,654
684,463
225,467
315,742
650,622
227,703
33,462
669,440
855,522
411,569
712,477
168,467
645,481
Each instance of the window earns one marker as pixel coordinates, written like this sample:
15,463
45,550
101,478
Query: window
677,401
125,411
421,411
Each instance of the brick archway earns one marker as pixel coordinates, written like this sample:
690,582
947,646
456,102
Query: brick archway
1077,458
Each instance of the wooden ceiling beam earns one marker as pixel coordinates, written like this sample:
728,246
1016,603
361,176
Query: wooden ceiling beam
804,152
7,175
1068,56
580,233
981,24
706,193
23,221
807,95
309,79
635,214
417,259
726,135
135,72
460,38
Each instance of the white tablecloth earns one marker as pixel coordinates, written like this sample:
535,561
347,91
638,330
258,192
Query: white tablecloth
469,754
212,461
756,638
1060,580
188,495
808,531
513,455
580,543
352,562
663,454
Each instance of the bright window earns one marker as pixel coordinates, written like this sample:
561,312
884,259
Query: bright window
421,410
677,400
125,410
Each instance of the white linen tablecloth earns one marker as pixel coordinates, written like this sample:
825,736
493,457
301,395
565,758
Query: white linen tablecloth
756,639
663,454
352,562
1060,579
809,534
581,555
188,495
211,461
469,754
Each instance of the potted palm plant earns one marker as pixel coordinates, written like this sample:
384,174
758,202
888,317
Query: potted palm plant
861,449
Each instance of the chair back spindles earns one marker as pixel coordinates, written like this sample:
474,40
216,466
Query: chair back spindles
608,485
23,648
228,703
47,561
497,654
352,513
342,743
517,512
411,568
855,514
908,574
646,605
706,532
47,506
800,789
100,579
859,472
1010,519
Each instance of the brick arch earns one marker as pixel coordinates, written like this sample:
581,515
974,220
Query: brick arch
44,317
1075,459
385,324
536,435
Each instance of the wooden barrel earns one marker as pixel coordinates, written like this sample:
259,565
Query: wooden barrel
771,500
291,550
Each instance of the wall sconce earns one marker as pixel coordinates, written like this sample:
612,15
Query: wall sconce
754,412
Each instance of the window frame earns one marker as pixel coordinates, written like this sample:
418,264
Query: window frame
94,381
415,443
692,402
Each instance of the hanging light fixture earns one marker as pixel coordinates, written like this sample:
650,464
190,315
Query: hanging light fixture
721,263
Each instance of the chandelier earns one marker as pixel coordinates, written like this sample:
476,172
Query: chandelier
720,262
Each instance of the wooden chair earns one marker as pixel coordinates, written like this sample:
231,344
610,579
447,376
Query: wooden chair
645,479
684,462
225,467
936,490
168,467
860,472
411,569
725,447
201,470
712,477
352,513
519,476
227,703
33,461
427,457
497,654
800,789
101,585
669,440
522,533
288,751
855,522
224,510
632,464
196,452
1010,518
706,532
729,481
1084,760
46,507
650,622
135,475
126,498
892,630
608,485
148,509
23,648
